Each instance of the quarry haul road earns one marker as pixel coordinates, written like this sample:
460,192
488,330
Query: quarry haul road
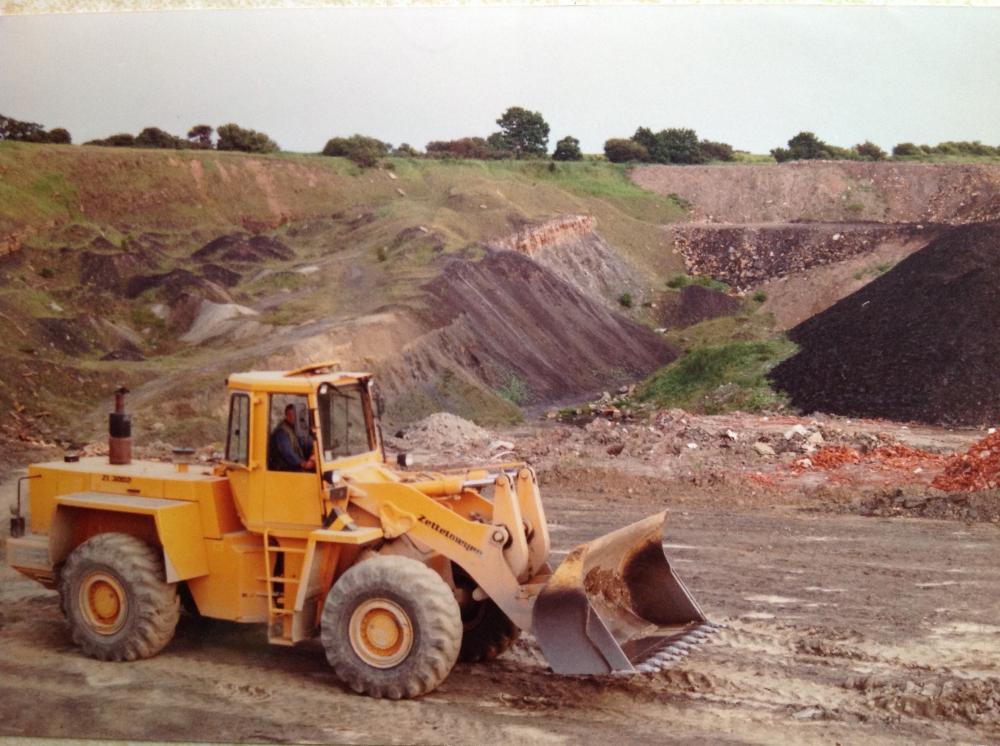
840,628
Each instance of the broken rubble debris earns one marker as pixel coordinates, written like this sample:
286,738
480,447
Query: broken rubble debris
794,431
764,449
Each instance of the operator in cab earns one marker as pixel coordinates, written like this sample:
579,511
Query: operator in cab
289,451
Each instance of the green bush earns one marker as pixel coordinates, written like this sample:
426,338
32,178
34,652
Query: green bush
121,140
759,296
200,136
625,300
59,136
679,145
405,150
870,151
618,150
568,149
513,389
474,148
234,137
154,137
15,129
716,151
805,146
905,149
677,282
360,149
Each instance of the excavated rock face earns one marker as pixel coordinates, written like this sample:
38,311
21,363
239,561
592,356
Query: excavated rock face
921,342
571,248
507,318
751,224
744,256
535,238
832,191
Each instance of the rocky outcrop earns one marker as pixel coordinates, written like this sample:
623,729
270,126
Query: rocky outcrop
572,249
744,256
241,247
534,238
114,271
172,285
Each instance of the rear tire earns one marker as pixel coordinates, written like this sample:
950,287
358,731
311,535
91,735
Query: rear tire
488,632
391,628
119,606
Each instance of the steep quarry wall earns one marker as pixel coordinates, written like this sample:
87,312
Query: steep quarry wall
570,246
755,226
744,256
483,338
832,191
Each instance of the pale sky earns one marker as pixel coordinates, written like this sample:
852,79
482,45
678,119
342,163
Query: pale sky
750,76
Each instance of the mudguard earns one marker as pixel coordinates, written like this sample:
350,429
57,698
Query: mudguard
176,526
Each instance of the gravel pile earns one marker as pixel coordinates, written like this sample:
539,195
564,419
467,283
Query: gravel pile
442,432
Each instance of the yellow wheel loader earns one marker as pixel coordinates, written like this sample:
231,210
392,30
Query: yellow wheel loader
400,572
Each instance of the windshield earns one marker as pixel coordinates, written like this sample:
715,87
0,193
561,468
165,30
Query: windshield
342,422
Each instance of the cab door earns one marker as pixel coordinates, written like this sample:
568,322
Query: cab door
291,496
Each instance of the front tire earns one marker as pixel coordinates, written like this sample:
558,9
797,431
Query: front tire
391,628
119,606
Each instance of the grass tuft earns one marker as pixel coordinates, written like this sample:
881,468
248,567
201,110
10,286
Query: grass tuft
721,378
682,281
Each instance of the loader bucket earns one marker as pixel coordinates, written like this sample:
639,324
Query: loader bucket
615,604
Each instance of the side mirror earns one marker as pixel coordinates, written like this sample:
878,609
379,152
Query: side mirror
331,475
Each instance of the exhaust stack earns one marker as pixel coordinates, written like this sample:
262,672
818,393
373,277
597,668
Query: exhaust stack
120,431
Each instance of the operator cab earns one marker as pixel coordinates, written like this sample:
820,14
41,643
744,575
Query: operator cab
287,431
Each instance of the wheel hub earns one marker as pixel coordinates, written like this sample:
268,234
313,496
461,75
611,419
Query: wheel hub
103,603
381,633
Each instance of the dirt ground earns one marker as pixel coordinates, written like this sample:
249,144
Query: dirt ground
840,628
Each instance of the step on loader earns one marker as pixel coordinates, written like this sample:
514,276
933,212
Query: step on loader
306,528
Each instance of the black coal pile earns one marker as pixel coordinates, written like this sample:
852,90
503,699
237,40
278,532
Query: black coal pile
921,342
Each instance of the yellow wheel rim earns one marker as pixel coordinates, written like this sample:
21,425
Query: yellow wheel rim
103,603
381,633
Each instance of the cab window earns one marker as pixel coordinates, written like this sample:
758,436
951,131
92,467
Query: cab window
238,438
343,421
289,442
